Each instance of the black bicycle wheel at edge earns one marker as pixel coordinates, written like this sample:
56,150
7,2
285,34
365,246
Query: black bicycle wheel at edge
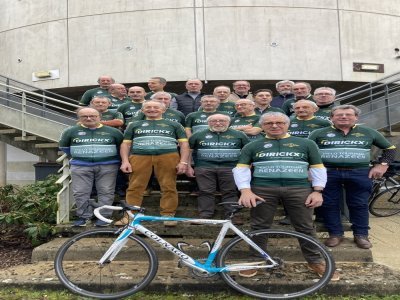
291,279
76,265
386,203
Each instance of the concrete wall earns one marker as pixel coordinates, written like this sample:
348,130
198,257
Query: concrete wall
20,169
209,39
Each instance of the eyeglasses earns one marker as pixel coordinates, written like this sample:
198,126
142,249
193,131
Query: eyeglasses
323,94
242,104
270,124
91,117
218,121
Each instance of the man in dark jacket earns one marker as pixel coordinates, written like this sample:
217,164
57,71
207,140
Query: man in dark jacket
190,101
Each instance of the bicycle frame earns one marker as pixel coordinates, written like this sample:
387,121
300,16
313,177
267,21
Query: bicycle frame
379,183
206,267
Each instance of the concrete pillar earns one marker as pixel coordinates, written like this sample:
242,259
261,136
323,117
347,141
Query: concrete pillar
3,164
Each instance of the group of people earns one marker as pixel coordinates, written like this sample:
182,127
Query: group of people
297,148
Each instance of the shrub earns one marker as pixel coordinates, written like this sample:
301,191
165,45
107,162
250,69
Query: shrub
32,206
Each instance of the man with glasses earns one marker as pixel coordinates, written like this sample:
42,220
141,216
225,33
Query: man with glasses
217,151
325,99
241,90
94,149
282,165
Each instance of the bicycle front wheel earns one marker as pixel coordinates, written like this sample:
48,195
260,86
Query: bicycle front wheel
292,276
386,203
132,269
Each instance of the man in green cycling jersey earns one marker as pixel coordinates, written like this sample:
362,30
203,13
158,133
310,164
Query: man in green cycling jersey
217,151
152,144
346,152
94,149
282,165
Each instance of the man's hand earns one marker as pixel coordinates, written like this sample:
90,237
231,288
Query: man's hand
126,167
181,168
314,200
377,171
248,198
190,172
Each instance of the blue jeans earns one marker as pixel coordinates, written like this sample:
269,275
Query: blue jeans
357,187
83,178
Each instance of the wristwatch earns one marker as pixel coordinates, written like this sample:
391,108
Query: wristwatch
318,191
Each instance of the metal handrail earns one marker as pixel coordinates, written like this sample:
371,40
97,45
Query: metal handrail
8,79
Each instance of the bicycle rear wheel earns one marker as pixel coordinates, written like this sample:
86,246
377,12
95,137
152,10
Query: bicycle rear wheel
386,203
76,265
291,278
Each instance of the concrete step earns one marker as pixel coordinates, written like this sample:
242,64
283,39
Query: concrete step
346,252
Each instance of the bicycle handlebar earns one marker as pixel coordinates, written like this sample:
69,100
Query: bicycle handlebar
100,216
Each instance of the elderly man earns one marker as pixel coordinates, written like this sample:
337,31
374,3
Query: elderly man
325,99
152,144
104,82
217,151
262,100
131,108
118,96
107,117
169,114
246,119
241,90
345,149
282,167
93,148
222,92
190,101
301,91
284,88
304,121
197,121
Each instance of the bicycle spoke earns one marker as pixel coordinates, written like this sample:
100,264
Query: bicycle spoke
77,265
291,278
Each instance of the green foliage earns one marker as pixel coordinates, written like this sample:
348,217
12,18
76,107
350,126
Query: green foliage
33,206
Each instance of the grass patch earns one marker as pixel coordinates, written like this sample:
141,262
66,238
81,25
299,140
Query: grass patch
32,294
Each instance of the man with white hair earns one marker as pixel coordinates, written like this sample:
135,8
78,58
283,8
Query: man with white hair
284,88
217,151
282,165
325,99
104,82
304,121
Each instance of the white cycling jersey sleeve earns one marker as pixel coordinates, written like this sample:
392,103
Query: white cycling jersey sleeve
242,177
318,176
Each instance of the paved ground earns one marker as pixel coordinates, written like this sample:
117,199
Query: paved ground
385,237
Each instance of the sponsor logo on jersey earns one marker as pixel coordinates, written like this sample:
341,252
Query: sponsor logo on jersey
279,154
267,146
290,145
357,134
326,143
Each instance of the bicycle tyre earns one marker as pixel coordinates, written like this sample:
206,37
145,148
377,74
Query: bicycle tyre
386,203
291,279
130,271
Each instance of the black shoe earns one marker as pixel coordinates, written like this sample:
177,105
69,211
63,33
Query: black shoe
285,221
